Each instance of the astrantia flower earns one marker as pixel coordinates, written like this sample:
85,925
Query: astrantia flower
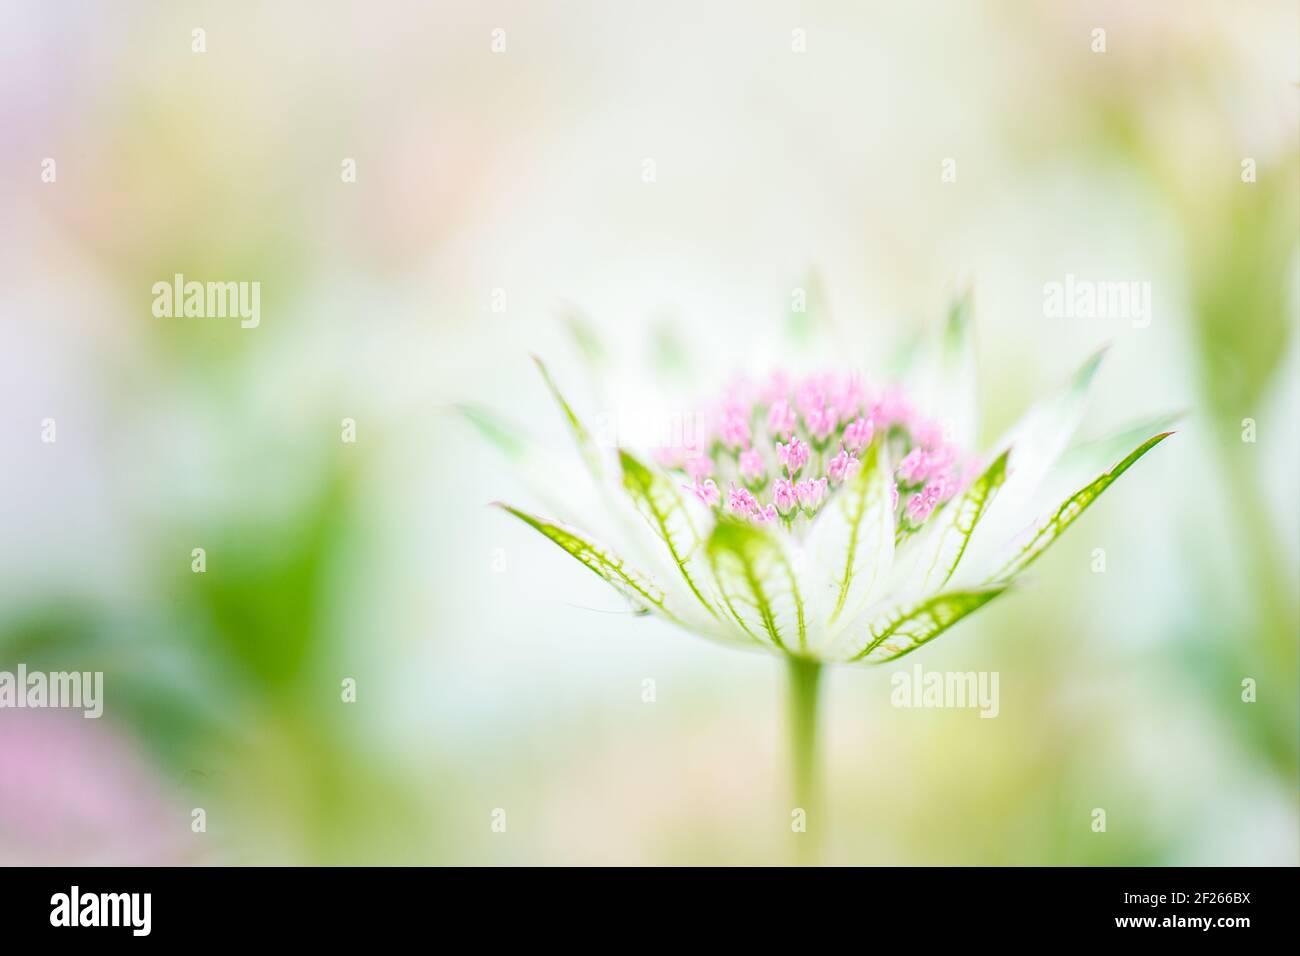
879,527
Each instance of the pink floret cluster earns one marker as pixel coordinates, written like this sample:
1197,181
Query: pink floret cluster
783,447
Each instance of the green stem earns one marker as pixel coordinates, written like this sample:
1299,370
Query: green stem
804,677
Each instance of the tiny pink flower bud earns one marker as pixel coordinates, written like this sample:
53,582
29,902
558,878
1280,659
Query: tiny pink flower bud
794,455
781,418
858,434
803,491
765,515
915,467
923,503
811,494
707,491
917,509
784,495
945,487
843,466
752,468
741,500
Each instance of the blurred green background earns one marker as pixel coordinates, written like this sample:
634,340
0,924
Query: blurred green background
499,204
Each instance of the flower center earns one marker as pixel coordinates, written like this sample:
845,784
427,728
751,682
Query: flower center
782,450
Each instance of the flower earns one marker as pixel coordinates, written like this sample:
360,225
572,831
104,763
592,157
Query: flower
921,505
793,455
912,469
784,496
924,537
857,435
707,491
861,558
811,494
742,500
